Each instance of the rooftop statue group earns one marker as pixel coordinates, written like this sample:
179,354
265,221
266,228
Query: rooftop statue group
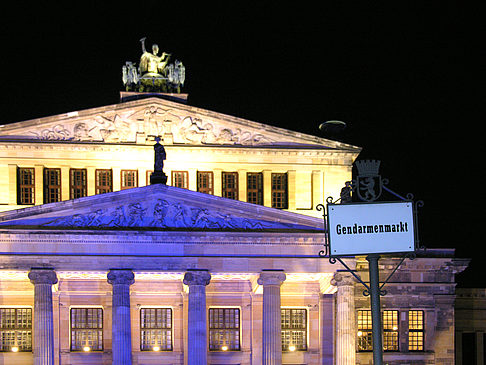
154,73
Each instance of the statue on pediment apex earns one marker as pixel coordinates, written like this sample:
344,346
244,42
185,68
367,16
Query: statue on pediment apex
154,73
151,64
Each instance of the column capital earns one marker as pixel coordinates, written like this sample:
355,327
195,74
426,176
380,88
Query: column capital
197,277
43,276
121,276
271,277
343,279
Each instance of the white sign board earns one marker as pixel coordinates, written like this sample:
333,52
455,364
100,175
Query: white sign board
366,228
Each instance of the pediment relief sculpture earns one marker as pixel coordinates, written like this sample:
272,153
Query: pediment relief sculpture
163,213
150,122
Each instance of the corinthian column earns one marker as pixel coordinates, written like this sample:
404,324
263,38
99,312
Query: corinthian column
345,319
43,279
272,316
196,318
121,327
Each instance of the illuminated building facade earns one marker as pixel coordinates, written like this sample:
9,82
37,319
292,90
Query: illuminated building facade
219,266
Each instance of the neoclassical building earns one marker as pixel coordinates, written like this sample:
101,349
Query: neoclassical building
219,266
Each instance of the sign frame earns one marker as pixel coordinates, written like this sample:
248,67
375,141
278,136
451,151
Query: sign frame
379,252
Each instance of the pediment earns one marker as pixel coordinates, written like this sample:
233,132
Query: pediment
141,120
157,207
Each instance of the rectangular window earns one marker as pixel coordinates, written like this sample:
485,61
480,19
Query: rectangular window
52,185
416,330
104,181
254,187
365,336
129,179
180,179
230,185
224,329
15,329
205,182
86,329
156,329
147,177
26,185
294,329
390,330
77,183
279,191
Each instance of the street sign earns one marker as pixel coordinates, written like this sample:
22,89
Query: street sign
371,228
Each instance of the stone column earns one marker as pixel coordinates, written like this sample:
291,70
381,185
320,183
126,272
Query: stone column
197,341
345,319
121,280
43,279
272,316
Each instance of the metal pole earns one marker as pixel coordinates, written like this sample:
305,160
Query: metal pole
375,308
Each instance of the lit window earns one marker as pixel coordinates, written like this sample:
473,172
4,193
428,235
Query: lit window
104,181
416,330
294,329
230,185
86,329
156,329
254,187
390,330
147,177
180,179
129,179
224,329
52,185
77,183
279,191
365,335
15,329
205,182
26,185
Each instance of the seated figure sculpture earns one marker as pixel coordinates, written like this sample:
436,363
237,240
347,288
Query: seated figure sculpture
153,68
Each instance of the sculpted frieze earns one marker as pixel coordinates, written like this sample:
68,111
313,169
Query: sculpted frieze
151,121
162,213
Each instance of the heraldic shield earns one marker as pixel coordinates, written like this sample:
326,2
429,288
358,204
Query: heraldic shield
368,181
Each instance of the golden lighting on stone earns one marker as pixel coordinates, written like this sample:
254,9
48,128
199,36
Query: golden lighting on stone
86,349
15,349
224,348
156,348
291,348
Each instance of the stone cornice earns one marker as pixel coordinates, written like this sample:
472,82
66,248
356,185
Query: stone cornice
14,236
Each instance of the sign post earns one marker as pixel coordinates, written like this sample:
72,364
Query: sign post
375,309
370,228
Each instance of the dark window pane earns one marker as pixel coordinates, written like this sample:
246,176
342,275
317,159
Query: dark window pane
205,182
104,181
77,183
26,186
224,329
230,185
52,185
254,187
129,179
279,191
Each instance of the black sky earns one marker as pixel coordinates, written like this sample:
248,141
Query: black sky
407,77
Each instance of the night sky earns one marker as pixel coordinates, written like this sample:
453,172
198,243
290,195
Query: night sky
407,77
